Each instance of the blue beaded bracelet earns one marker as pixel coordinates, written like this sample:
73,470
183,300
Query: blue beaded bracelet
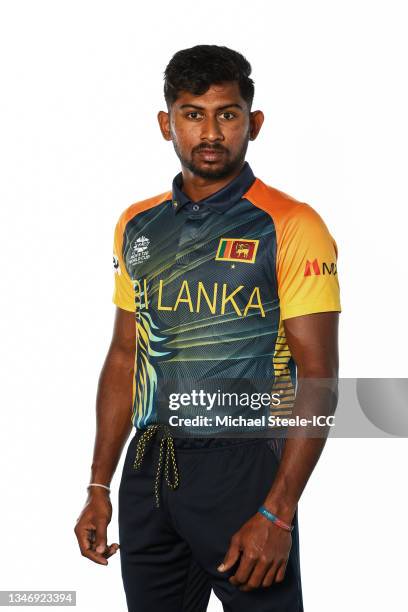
275,519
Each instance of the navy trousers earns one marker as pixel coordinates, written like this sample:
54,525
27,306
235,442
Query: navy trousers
169,555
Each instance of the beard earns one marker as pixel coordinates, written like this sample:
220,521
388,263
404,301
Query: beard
229,166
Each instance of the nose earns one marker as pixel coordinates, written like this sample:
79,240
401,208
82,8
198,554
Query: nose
211,130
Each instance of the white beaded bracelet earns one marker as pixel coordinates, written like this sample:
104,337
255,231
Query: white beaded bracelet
94,484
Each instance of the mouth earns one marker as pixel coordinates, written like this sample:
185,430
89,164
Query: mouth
210,155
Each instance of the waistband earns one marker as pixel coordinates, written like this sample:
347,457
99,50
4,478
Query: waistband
159,435
195,443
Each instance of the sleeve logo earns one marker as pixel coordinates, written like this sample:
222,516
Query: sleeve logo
116,266
313,268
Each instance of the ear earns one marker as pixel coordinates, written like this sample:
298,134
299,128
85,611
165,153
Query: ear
164,123
256,119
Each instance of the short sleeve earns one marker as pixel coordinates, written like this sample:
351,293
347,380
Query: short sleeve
306,265
123,292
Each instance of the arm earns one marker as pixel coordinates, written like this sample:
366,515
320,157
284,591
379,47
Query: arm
113,426
313,343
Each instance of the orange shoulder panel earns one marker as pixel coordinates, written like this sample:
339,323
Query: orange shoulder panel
143,205
302,240
278,204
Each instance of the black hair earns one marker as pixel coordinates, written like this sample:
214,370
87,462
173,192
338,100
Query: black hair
199,67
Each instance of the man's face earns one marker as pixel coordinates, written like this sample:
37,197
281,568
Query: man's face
210,132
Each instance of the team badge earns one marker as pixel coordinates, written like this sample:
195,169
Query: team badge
116,266
237,249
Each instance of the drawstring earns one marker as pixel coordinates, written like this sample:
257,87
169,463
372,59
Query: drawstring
167,441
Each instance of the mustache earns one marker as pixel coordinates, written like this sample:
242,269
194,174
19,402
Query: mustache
207,147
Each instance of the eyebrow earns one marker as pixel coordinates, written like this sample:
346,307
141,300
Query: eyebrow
233,104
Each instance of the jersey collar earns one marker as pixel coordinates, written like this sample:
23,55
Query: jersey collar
221,200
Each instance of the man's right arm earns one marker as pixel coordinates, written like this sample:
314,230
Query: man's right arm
113,426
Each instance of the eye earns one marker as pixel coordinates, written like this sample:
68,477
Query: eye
228,115
193,115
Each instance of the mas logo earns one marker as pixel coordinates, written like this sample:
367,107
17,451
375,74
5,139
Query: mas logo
237,249
314,268
140,250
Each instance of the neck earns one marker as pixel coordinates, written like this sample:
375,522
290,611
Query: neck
198,188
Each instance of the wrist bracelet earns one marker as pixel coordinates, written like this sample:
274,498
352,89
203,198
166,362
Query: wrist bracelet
95,484
275,519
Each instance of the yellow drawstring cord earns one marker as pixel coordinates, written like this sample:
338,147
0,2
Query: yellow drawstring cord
167,441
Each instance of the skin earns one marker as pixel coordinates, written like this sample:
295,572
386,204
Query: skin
219,121
113,426
210,135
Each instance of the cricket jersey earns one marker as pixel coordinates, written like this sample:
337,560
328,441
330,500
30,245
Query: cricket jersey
211,283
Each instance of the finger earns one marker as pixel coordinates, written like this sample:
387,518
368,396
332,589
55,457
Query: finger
111,550
231,557
95,556
92,554
244,570
101,535
280,574
91,538
85,534
85,538
255,579
270,575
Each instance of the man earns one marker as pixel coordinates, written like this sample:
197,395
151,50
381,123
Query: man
221,281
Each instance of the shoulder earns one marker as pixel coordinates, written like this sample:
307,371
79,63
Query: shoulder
137,207
286,211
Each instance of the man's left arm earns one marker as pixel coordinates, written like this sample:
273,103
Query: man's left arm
264,547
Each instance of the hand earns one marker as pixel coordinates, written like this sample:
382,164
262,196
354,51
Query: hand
91,528
265,550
